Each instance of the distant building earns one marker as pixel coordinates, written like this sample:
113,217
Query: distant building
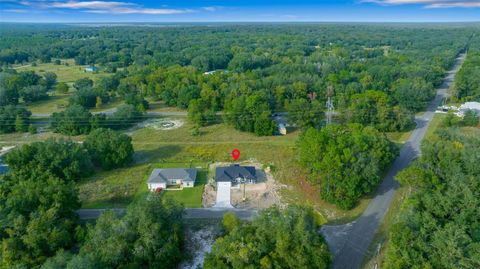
162,178
91,69
215,71
209,73
282,129
3,168
475,106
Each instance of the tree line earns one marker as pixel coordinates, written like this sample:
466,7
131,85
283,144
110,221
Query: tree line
260,69
39,195
438,224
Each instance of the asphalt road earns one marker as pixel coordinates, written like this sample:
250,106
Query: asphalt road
190,213
349,243
111,111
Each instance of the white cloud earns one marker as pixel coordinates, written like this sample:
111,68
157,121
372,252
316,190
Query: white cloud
101,7
151,11
15,10
429,3
212,8
89,4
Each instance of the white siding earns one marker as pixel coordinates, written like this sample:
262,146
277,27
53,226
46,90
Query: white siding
155,186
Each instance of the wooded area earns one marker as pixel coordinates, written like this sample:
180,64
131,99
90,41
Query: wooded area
377,77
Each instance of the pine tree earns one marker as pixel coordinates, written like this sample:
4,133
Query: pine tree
99,102
19,124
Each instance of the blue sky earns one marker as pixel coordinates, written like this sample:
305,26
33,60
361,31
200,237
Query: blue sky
240,10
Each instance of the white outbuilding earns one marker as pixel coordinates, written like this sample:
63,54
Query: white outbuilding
475,106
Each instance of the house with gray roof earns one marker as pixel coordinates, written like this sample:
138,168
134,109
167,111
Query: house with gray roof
181,177
236,174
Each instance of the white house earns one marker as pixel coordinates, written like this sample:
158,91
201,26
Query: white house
91,69
475,106
162,178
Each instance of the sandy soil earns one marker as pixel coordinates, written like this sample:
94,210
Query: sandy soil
263,194
209,196
4,150
161,124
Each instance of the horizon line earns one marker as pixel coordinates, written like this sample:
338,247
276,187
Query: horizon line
306,21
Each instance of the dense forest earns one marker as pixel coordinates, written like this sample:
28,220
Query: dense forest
438,226
255,70
277,238
378,77
467,81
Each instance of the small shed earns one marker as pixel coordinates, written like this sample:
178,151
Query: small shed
91,69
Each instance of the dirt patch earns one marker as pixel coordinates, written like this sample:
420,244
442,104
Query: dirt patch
263,194
209,195
161,124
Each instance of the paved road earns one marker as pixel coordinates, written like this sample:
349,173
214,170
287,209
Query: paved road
190,213
111,111
349,243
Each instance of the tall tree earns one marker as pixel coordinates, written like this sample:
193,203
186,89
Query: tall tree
275,239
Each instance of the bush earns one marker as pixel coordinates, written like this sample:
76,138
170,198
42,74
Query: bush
109,149
125,116
150,235
13,119
64,159
32,129
75,120
275,239
346,161
34,93
470,118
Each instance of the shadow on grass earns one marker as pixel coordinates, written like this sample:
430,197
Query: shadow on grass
162,152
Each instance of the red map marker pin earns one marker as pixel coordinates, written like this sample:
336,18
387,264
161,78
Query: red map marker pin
236,154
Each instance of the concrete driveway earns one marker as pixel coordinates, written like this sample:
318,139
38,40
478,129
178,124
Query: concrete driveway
223,195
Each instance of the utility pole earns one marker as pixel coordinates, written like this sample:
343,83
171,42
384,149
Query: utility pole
329,105
244,187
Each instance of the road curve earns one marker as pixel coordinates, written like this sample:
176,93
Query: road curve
349,243
190,213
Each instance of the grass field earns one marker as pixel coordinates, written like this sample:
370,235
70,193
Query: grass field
434,125
191,197
56,102
64,73
166,148
169,147
160,106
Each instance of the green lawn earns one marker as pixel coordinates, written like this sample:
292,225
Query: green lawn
160,106
434,125
64,73
56,102
170,148
190,197
177,147
399,137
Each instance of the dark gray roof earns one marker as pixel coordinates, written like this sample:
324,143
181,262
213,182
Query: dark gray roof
162,175
230,173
